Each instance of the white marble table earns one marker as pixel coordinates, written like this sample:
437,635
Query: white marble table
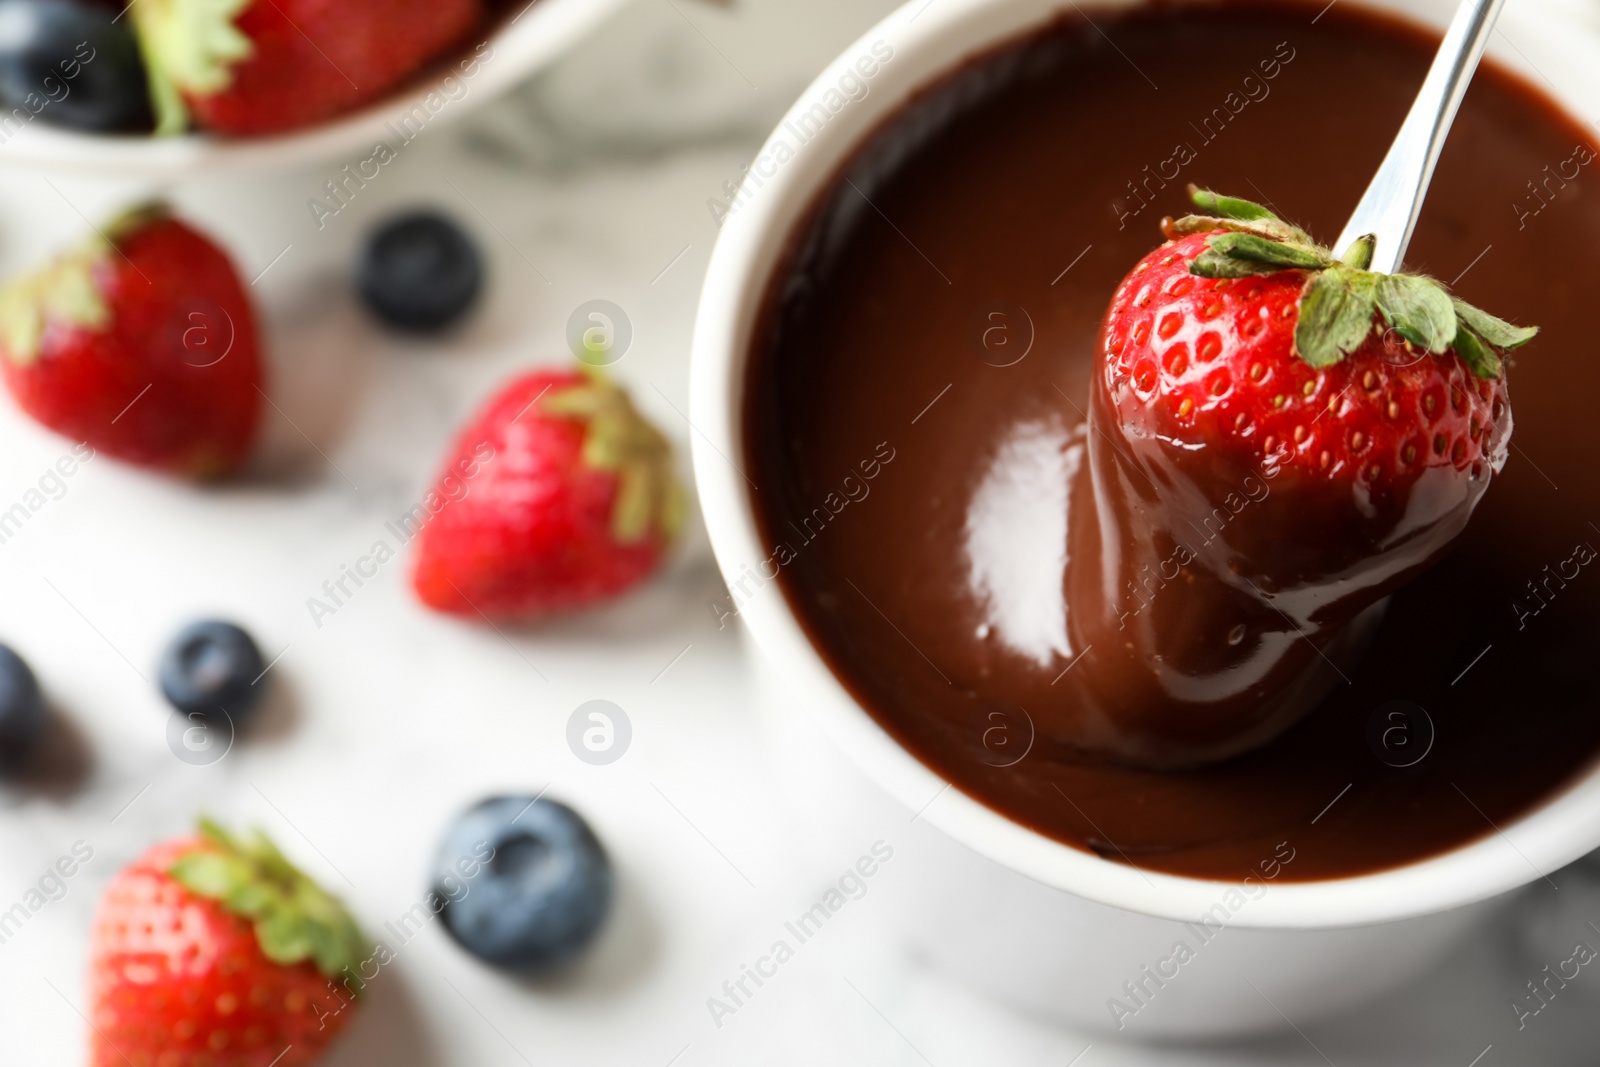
591,181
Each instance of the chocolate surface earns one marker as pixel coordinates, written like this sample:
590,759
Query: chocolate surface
916,406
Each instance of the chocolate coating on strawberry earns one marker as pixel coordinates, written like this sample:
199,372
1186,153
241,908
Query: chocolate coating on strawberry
1280,439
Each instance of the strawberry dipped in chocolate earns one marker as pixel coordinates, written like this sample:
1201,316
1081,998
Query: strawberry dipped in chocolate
1280,438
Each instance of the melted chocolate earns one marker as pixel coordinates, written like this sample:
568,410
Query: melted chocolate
916,409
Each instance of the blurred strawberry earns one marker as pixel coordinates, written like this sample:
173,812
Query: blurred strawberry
569,499
213,951
141,342
251,67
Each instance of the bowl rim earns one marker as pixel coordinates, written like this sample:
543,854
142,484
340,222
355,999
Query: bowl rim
930,38
532,39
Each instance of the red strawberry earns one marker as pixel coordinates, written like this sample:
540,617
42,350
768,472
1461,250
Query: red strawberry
250,67
1287,437
216,952
141,342
557,494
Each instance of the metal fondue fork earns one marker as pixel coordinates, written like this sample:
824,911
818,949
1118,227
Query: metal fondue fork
1389,208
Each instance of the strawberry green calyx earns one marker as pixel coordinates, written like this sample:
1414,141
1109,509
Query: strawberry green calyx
1341,296
64,292
294,919
189,46
619,441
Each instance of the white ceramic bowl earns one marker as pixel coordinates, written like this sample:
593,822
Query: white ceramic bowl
534,39
998,857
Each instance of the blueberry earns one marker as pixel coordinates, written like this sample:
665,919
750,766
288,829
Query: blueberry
71,63
212,666
420,272
543,889
22,716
